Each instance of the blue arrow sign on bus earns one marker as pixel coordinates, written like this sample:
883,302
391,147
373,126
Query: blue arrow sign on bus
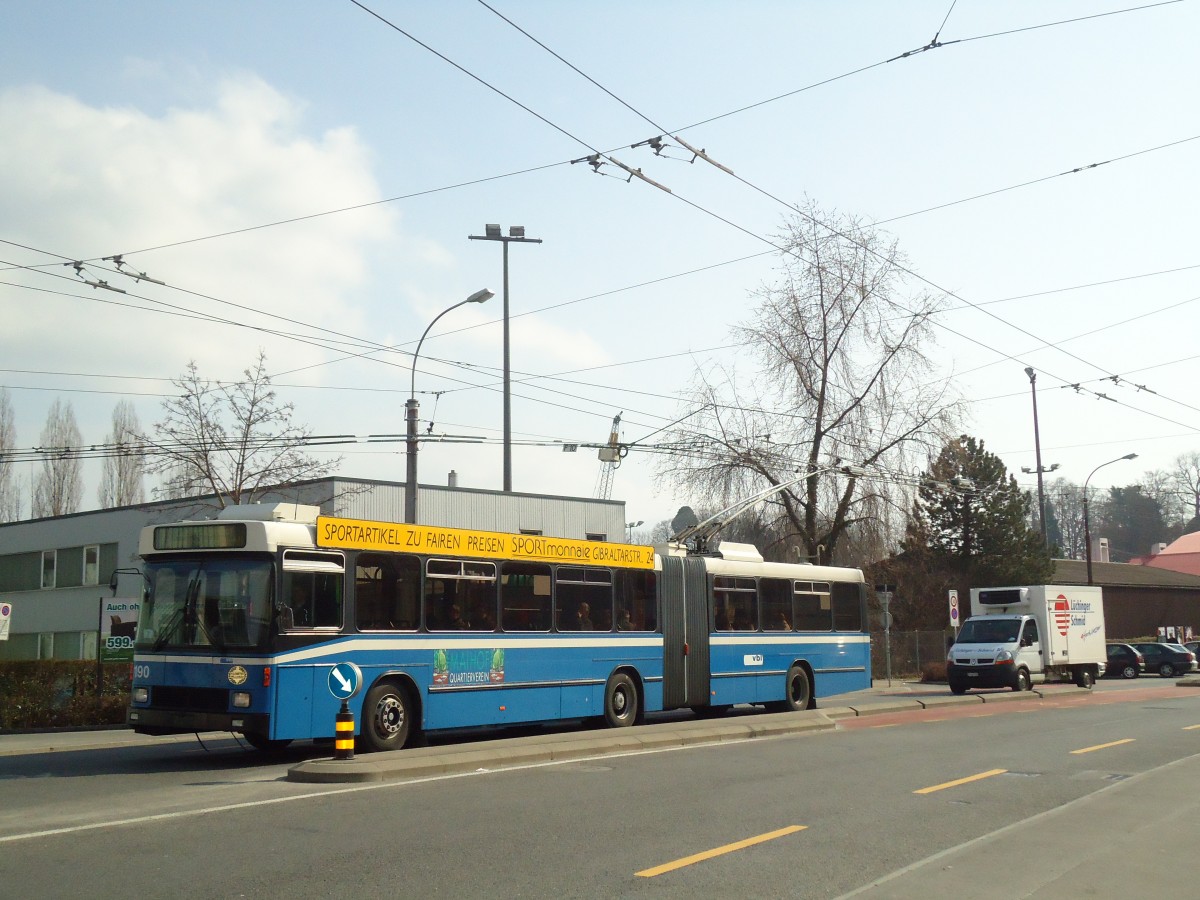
345,680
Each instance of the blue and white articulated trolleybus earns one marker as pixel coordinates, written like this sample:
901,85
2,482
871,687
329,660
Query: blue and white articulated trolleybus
247,615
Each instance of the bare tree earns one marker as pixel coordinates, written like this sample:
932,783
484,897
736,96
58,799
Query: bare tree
844,376
10,490
234,441
1186,477
1064,501
58,487
124,464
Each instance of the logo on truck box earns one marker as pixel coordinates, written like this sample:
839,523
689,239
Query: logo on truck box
1062,614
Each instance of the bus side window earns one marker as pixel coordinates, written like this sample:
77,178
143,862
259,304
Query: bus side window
812,607
327,600
525,597
847,607
386,587
776,596
637,598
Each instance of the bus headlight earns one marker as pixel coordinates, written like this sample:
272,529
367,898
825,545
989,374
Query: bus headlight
241,699
141,695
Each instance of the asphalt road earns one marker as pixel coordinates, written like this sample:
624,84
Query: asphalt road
881,805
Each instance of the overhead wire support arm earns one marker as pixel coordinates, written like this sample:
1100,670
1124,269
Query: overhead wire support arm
136,276
638,173
932,45
700,154
93,282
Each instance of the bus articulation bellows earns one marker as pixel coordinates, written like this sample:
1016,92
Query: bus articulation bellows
245,616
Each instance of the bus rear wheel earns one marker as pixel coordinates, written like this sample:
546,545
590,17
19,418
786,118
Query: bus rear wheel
387,717
797,692
620,701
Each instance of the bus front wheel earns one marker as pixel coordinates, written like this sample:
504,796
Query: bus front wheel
620,701
387,717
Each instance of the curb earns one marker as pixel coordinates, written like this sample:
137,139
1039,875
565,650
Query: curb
501,754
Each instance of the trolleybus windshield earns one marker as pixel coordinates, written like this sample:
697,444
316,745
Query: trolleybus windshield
206,603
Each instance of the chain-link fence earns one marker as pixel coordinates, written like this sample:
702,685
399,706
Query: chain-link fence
911,652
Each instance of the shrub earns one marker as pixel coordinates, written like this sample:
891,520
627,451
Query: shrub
61,693
934,672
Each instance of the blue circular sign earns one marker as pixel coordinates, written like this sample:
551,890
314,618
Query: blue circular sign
345,680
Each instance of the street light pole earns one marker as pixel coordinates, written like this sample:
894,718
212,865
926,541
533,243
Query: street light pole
515,233
1037,449
410,410
1087,532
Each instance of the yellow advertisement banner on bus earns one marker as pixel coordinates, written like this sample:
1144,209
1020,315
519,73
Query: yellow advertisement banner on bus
357,534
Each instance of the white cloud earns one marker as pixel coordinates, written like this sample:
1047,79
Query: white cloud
85,181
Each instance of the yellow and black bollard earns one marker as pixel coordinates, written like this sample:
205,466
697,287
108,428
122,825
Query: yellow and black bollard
343,743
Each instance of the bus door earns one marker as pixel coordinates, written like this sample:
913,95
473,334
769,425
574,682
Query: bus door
684,596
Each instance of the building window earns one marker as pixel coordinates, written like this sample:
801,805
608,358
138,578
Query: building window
596,536
91,564
49,564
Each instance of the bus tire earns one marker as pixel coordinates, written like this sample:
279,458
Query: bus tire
387,717
797,692
620,701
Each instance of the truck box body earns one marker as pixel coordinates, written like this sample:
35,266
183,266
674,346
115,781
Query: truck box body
1018,636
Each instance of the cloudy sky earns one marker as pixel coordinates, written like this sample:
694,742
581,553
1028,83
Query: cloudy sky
304,177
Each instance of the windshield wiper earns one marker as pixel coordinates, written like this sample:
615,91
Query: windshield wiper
168,627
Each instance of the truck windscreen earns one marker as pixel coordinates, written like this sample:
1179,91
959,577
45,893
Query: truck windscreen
989,631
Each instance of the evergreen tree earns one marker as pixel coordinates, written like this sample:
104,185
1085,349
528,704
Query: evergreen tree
969,528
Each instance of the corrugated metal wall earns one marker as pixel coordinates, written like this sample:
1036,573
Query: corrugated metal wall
568,517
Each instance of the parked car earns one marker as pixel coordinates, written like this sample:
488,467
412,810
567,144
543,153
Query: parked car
1124,661
1194,646
1166,659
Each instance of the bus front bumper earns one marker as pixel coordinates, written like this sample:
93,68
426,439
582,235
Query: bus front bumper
144,720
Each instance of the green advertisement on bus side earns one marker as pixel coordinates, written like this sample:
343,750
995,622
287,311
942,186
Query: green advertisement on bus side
465,667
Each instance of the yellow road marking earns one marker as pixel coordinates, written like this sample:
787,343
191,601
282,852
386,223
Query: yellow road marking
719,851
1104,746
949,784
889,725
1190,727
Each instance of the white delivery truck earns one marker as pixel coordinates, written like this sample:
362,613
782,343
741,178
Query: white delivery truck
1018,636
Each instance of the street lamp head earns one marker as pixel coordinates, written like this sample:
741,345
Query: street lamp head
1129,456
492,231
482,296
1027,470
1032,375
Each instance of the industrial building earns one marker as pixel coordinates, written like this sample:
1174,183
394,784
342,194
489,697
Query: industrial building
55,572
